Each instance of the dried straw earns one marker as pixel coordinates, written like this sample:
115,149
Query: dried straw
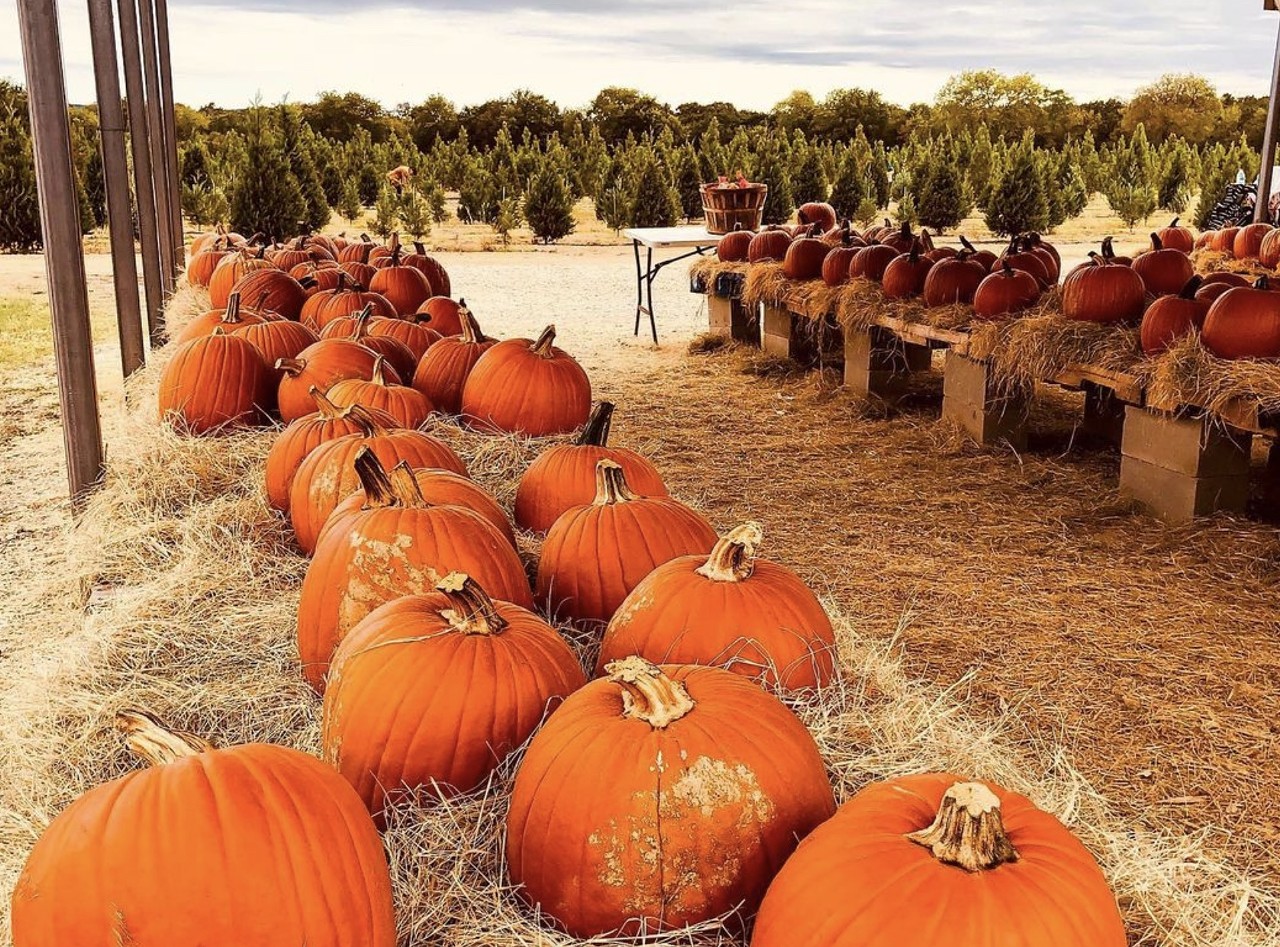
1189,374
709,268
1208,261
766,284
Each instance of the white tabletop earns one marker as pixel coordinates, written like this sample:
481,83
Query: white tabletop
671,236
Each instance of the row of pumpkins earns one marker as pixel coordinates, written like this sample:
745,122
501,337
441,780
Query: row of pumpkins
675,787
1158,289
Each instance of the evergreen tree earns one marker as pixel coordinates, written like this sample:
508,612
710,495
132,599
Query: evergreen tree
1174,192
866,213
548,205
1072,188
713,160
193,167
1018,201
1217,174
265,198
654,202
738,157
809,180
850,188
771,169
477,198
906,211
349,205
1130,186
506,219
941,199
19,205
415,214
688,182
590,168
981,169
386,213
95,186
878,171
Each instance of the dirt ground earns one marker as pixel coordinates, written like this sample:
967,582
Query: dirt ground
1150,654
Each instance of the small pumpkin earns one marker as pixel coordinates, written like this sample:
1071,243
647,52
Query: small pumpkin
416,336
431,268
1224,240
276,339
409,407
817,214
869,263
397,545
732,247
1164,272
272,290
994,870
1103,292
1175,237
442,314
358,327
430,693
805,255
906,275
729,609
901,240
564,476
322,365
1247,243
230,270
204,847
203,262
443,371
1169,318
214,384
405,287
524,386
233,316
768,245
984,258
595,554
601,843
344,299
952,282
1005,292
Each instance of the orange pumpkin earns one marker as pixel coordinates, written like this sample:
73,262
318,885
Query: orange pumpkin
409,407
905,276
442,373
954,281
1175,237
732,247
327,474
1005,292
564,476
397,545
344,299
730,610
357,328
203,262
431,268
596,554
415,336
657,797
295,442
768,245
230,318
214,384
276,339
405,287
817,213
430,693
1244,323
1247,243
229,271
322,366
522,386
1164,272
272,290
992,869
805,255
254,845
1103,292
442,314
1169,318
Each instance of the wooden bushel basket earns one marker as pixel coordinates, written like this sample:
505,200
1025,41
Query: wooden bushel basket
729,208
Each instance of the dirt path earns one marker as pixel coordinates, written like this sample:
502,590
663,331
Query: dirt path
1150,653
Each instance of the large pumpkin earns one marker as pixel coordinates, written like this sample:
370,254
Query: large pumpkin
405,287
295,442
398,545
1247,244
1164,272
1005,292
732,247
804,256
564,476
922,860
905,276
344,299
408,406
214,384
1103,292
768,245
232,317
430,693
327,474
1244,323
442,314
595,554
443,371
869,263
255,845
356,328
1169,318
431,268
522,386
322,366
229,271
954,281
272,290
276,339
731,610
203,262
657,797
817,214
413,334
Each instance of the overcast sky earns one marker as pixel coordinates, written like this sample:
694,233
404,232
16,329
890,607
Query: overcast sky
471,50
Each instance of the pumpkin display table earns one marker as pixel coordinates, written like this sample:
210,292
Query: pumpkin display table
694,239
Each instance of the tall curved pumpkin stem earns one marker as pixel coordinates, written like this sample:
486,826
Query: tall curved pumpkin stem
471,332
151,741
732,559
596,432
325,407
968,831
647,693
379,376
473,612
398,488
611,484
544,343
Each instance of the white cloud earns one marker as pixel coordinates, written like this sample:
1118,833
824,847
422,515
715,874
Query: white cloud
471,50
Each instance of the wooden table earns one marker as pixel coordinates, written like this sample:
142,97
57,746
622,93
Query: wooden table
697,240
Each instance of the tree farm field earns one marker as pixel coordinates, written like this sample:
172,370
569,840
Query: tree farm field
1016,587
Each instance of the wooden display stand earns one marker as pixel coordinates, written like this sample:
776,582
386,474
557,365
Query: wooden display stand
970,398
728,316
1183,466
878,364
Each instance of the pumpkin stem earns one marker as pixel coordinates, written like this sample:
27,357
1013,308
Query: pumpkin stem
361,328
472,612
1006,269
964,242
232,313
1173,223
1156,242
419,249
326,407
596,432
394,245
733,557
542,347
1262,283
399,488
471,333
647,693
154,743
1193,284
1097,259
291,366
378,377
968,831
1108,251
611,484
364,420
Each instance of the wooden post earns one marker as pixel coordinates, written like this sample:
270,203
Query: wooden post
143,183
156,141
63,252
1261,210
115,172
170,132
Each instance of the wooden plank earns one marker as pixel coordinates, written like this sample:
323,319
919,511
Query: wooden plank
918,333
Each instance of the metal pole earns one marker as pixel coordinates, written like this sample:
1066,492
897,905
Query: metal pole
144,192
159,150
1261,210
170,130
63,252
115,171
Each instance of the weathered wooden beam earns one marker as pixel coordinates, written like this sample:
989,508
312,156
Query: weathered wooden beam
156,142
115,172
63,251
170,132
1261,210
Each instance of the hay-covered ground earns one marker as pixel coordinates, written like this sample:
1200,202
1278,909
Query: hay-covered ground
1004,615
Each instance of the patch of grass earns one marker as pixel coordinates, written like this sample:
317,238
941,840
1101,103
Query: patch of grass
26,333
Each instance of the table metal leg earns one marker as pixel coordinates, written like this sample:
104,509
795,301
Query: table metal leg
653,321
635,246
